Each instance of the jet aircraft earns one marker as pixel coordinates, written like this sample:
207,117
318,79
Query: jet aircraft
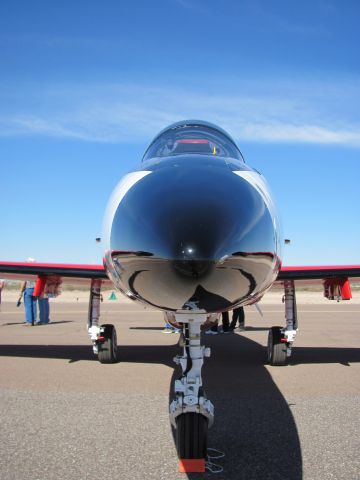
193,231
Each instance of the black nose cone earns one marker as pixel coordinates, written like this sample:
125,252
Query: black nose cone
198,222
192,210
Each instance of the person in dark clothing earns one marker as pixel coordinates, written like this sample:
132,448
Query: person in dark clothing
225,322
214,329
238,316
225,328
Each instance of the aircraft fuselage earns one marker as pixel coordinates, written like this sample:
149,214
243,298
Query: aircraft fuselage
193,231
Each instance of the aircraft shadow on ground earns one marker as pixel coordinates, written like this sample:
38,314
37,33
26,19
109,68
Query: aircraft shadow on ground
313,355
74,353
164,354
254,425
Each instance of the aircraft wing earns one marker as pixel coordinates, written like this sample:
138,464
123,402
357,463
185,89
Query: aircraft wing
79,272
335,279
319,272
69,273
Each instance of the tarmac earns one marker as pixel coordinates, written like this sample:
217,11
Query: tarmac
64,415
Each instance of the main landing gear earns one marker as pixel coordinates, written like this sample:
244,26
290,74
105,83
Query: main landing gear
103,337
191,413
281,339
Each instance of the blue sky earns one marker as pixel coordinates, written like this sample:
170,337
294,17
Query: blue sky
84,86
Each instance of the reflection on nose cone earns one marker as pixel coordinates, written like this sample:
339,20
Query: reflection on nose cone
195,269
205,300
156,282
209,245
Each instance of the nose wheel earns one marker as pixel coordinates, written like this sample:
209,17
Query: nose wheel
191,435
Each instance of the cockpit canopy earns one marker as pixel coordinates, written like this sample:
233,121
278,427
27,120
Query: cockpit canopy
193,137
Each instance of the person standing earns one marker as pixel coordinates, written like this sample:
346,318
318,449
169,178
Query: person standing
238,316
212,319
225,322
42,297
27,290
214,330
44,311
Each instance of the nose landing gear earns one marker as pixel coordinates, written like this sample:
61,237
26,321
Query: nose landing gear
191,413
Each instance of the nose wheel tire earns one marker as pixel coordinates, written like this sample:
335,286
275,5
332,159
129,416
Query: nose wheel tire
108,346
191,435
277,350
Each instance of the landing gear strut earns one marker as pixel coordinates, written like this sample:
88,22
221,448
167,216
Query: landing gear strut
103,337
191,413
280,340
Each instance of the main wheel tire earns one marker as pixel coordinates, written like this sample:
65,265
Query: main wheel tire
191,435
277,350
108,347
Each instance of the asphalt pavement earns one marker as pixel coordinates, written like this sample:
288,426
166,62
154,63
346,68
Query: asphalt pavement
64,415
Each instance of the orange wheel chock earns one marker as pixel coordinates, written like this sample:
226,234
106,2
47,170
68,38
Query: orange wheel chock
192,465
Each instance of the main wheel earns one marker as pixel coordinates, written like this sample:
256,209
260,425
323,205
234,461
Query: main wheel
108,346
191,435
277,350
